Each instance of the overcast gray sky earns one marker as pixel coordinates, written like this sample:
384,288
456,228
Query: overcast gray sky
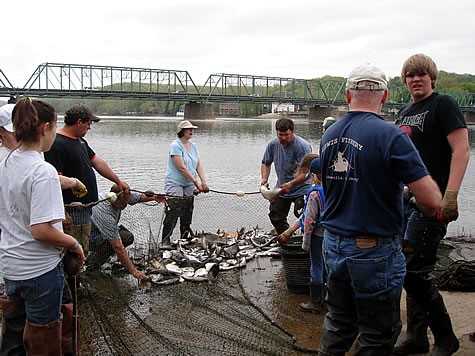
294,38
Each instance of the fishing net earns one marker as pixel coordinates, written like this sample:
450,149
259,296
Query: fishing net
180,319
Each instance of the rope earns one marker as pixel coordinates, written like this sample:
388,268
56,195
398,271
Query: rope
150,193
232,193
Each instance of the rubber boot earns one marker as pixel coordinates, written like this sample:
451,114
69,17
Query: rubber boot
172,213
415,341
12,327
43,340
445,341
186,218
379,324
340,324
314,305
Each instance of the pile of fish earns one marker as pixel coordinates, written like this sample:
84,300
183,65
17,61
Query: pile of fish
204,256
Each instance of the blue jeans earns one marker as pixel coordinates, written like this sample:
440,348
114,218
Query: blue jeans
348,263
42,295
365,280
318,273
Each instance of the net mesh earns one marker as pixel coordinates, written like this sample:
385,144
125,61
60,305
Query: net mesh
180,319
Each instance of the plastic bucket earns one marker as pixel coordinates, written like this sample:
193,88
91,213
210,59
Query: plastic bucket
296,264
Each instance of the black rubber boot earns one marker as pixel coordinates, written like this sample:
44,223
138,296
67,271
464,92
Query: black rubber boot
340,325
172,213
415,341
379,323
12,327
186,218
314,305
445,341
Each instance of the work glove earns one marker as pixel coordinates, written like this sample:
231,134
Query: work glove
79,190
286,188
284,237
448,207
204,188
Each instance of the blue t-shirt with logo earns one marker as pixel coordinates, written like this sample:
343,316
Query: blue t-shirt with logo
365,162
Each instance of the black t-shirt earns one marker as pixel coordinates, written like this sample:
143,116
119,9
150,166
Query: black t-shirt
72,158
428,123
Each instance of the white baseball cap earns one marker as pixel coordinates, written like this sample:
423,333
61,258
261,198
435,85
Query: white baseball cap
367,73
6,117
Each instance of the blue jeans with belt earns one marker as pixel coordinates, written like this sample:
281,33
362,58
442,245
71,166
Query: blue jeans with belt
42,295
365,281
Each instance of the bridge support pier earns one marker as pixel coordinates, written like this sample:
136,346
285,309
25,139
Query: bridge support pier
199,111
319,113
469,116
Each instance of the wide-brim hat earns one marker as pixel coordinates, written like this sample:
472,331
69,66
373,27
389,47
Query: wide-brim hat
185,124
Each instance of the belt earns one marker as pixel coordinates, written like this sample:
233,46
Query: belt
366,241
364,237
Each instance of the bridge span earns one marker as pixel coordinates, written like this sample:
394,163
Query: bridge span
59,80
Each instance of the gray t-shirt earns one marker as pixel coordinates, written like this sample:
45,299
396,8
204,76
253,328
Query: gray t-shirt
286,161
106,218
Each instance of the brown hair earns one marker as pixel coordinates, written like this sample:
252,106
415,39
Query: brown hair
304,164
419,63
27,117
284,124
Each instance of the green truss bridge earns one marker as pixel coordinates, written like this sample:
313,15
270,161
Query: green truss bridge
59,80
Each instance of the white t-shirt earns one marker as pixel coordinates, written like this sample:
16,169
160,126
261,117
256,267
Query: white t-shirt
30,194
3,152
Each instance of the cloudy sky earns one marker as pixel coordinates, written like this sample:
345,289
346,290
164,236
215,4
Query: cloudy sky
294,38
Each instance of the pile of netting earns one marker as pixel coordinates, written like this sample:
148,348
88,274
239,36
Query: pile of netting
455,268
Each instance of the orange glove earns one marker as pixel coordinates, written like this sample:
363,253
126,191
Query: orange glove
284,237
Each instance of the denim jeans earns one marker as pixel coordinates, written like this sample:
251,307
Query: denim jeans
371,272
365,280
318,272
42,295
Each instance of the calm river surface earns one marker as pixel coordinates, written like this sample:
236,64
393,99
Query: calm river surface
231,151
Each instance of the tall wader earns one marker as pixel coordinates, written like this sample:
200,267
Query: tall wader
182,208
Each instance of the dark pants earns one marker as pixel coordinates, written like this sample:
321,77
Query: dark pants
101,249
279,209
420,244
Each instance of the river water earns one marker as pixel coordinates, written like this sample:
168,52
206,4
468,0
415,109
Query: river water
231,150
